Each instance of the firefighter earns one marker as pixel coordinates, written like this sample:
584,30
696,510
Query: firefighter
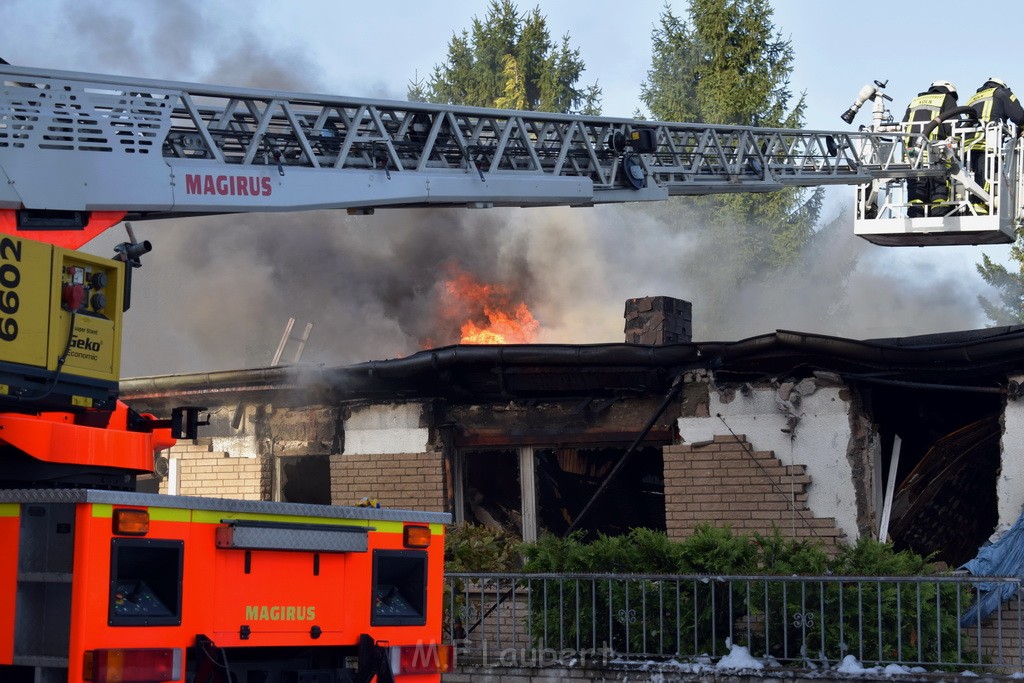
938,99
994,101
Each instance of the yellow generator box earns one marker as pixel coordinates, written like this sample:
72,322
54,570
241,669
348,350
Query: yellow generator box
60,310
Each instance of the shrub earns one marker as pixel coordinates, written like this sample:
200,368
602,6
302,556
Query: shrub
474,548
790,619
477,548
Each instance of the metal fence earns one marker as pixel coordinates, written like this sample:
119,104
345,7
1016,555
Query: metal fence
803,622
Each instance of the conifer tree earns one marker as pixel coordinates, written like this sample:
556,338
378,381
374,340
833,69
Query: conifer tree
727,64
508,60
1009,310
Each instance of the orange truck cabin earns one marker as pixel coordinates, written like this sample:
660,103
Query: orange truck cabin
114,586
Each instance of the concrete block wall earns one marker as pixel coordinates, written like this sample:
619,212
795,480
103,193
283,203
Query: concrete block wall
725,482
201,471
413,481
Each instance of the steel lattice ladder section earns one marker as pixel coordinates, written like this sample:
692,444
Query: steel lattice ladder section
232,130
403,137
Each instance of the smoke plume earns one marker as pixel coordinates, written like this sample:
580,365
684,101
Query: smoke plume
217,292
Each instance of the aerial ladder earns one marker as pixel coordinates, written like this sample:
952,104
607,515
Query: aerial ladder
108,584
84,151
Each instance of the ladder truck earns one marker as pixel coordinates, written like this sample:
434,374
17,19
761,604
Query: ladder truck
101,583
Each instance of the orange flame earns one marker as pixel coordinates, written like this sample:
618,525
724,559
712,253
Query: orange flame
493,317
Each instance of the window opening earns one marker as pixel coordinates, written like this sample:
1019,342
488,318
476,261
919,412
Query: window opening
491,489
304,479
568,477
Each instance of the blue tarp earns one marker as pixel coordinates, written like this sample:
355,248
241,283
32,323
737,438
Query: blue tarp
1005,557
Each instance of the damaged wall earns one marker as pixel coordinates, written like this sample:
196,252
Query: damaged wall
533,466
725,482
1010,483
299,441
403,454
562,418
387,456
807,424
386,428
324,454
290,431
194,468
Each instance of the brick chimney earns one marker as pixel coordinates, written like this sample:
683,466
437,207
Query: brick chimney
658,320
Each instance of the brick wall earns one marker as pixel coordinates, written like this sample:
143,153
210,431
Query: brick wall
1001,642
726,482
205,472
412,481
495,621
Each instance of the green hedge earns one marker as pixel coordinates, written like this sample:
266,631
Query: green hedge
698,616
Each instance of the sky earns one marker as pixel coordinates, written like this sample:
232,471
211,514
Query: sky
357,49
369,50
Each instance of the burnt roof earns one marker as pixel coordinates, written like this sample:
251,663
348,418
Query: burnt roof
981,358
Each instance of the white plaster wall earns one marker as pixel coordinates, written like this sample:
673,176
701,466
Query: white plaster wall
820,442
382,429
244,446
1010,485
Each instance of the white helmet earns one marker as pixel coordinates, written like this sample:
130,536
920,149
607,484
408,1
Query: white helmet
945,84
997,81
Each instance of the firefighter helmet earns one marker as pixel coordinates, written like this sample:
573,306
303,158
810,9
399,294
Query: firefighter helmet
950,88
998,81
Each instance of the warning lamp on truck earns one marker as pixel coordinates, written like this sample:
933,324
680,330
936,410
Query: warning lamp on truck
416,536
128,522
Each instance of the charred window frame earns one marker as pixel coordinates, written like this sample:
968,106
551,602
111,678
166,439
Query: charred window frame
535,489
489,489
568,477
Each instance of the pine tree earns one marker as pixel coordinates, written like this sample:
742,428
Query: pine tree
508,60
514,96
1010,308
728,65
